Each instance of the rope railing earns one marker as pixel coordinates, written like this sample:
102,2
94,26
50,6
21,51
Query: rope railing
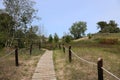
2,58
95,65
110,73
79,57
99,64
16,56
84,59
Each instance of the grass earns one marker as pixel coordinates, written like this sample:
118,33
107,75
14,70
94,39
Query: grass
108,35
27,65
61,65
59,61
70,71
91,51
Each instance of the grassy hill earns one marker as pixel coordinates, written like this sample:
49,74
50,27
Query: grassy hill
91,50
107,35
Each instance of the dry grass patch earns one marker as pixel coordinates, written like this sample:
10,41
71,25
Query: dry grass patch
27,65
72,71
59,61
91,51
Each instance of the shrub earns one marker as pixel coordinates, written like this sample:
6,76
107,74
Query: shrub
89,36
67,39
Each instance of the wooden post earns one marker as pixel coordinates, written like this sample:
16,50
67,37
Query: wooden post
59,46
63,48
100,70
16,56
39,46
30,49
70,54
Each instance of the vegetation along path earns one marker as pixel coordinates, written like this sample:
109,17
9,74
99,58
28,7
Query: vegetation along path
45,68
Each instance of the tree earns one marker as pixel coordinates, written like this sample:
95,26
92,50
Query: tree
22,12
113,27
101,25
78,29
6,23
50,39
56,38
110,27
31,33
6,28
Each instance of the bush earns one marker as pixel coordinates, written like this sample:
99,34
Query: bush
67,39
89,36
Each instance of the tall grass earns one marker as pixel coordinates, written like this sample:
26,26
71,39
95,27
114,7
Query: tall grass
108,35
91,50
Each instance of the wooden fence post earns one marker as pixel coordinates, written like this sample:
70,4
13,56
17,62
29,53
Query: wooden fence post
59,46
70,54
30,49
100,70
39,45
16,56
63,48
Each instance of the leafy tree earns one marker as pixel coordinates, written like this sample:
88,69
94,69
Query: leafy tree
78,29
101,25
6,28
31,33
110,27
6,24
56,38
22,12
50,39
113,27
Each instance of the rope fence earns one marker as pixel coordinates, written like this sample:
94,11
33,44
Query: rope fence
92,63
110,73
2,58
99,64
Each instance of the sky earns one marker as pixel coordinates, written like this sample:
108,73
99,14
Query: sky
57,16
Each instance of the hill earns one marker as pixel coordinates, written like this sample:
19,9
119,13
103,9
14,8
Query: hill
89,50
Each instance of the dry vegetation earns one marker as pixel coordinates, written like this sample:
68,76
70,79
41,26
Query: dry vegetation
90,50
27,65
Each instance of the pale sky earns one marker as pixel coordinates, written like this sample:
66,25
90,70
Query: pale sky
59,15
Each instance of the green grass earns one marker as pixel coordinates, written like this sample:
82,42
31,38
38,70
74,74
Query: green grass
90,50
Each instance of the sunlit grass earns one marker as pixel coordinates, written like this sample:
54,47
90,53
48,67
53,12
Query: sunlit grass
90,50
27,65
